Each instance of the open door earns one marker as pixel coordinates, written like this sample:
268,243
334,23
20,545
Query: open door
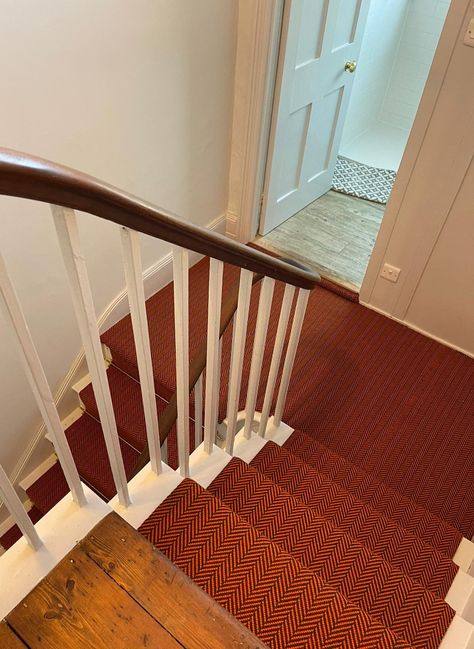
319,47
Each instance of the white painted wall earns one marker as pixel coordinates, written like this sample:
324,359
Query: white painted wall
444,298
137,93
383,30
428,229
422,27
399,43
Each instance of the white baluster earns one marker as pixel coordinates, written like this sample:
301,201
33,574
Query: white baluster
68,236
198,412
213,363
276,356
39,384
261,328
181,323
237,356
136,297
17,511
290,354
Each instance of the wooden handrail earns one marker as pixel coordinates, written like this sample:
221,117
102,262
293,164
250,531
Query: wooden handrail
26,176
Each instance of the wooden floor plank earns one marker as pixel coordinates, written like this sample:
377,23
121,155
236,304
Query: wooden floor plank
8,640
77,605
334,235
185,610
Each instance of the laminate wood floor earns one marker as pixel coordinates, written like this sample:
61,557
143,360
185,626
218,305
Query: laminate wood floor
334,235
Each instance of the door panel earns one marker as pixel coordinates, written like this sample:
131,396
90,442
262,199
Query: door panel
311,100
312,28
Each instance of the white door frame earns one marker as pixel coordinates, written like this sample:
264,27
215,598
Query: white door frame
258,38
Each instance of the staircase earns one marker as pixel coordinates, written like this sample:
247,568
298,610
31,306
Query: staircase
298,543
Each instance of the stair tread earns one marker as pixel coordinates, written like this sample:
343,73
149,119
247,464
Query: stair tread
375,493
129,413
12,535
362,576
88,448
378,532
285,604
278,514
49,489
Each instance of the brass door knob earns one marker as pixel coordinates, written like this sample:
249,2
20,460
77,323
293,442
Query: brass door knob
350,66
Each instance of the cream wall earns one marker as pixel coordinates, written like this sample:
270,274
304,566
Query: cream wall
428,229
137,93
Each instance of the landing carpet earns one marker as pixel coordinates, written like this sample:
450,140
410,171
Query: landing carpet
396,404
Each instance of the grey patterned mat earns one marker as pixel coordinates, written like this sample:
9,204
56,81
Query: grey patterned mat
357,179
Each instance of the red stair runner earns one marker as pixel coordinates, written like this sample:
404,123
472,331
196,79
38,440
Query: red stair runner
129,415
283,517
286,605
364,578
375,493
376,531
90,455
49,489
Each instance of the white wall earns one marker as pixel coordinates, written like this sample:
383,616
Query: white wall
381,39
399,42
423,24
444,299
428,229
137,93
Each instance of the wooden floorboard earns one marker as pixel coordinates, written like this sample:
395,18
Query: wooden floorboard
8,639
115,591
79,606
334,235
185,610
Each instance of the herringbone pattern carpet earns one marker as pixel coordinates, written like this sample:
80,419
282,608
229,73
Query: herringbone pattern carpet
271,592
395,599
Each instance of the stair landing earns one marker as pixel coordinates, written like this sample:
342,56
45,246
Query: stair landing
115,589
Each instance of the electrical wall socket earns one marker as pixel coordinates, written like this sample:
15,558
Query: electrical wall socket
390,272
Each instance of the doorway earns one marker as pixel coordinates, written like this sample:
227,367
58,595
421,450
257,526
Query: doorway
350,78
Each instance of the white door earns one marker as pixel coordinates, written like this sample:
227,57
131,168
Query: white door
320,38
